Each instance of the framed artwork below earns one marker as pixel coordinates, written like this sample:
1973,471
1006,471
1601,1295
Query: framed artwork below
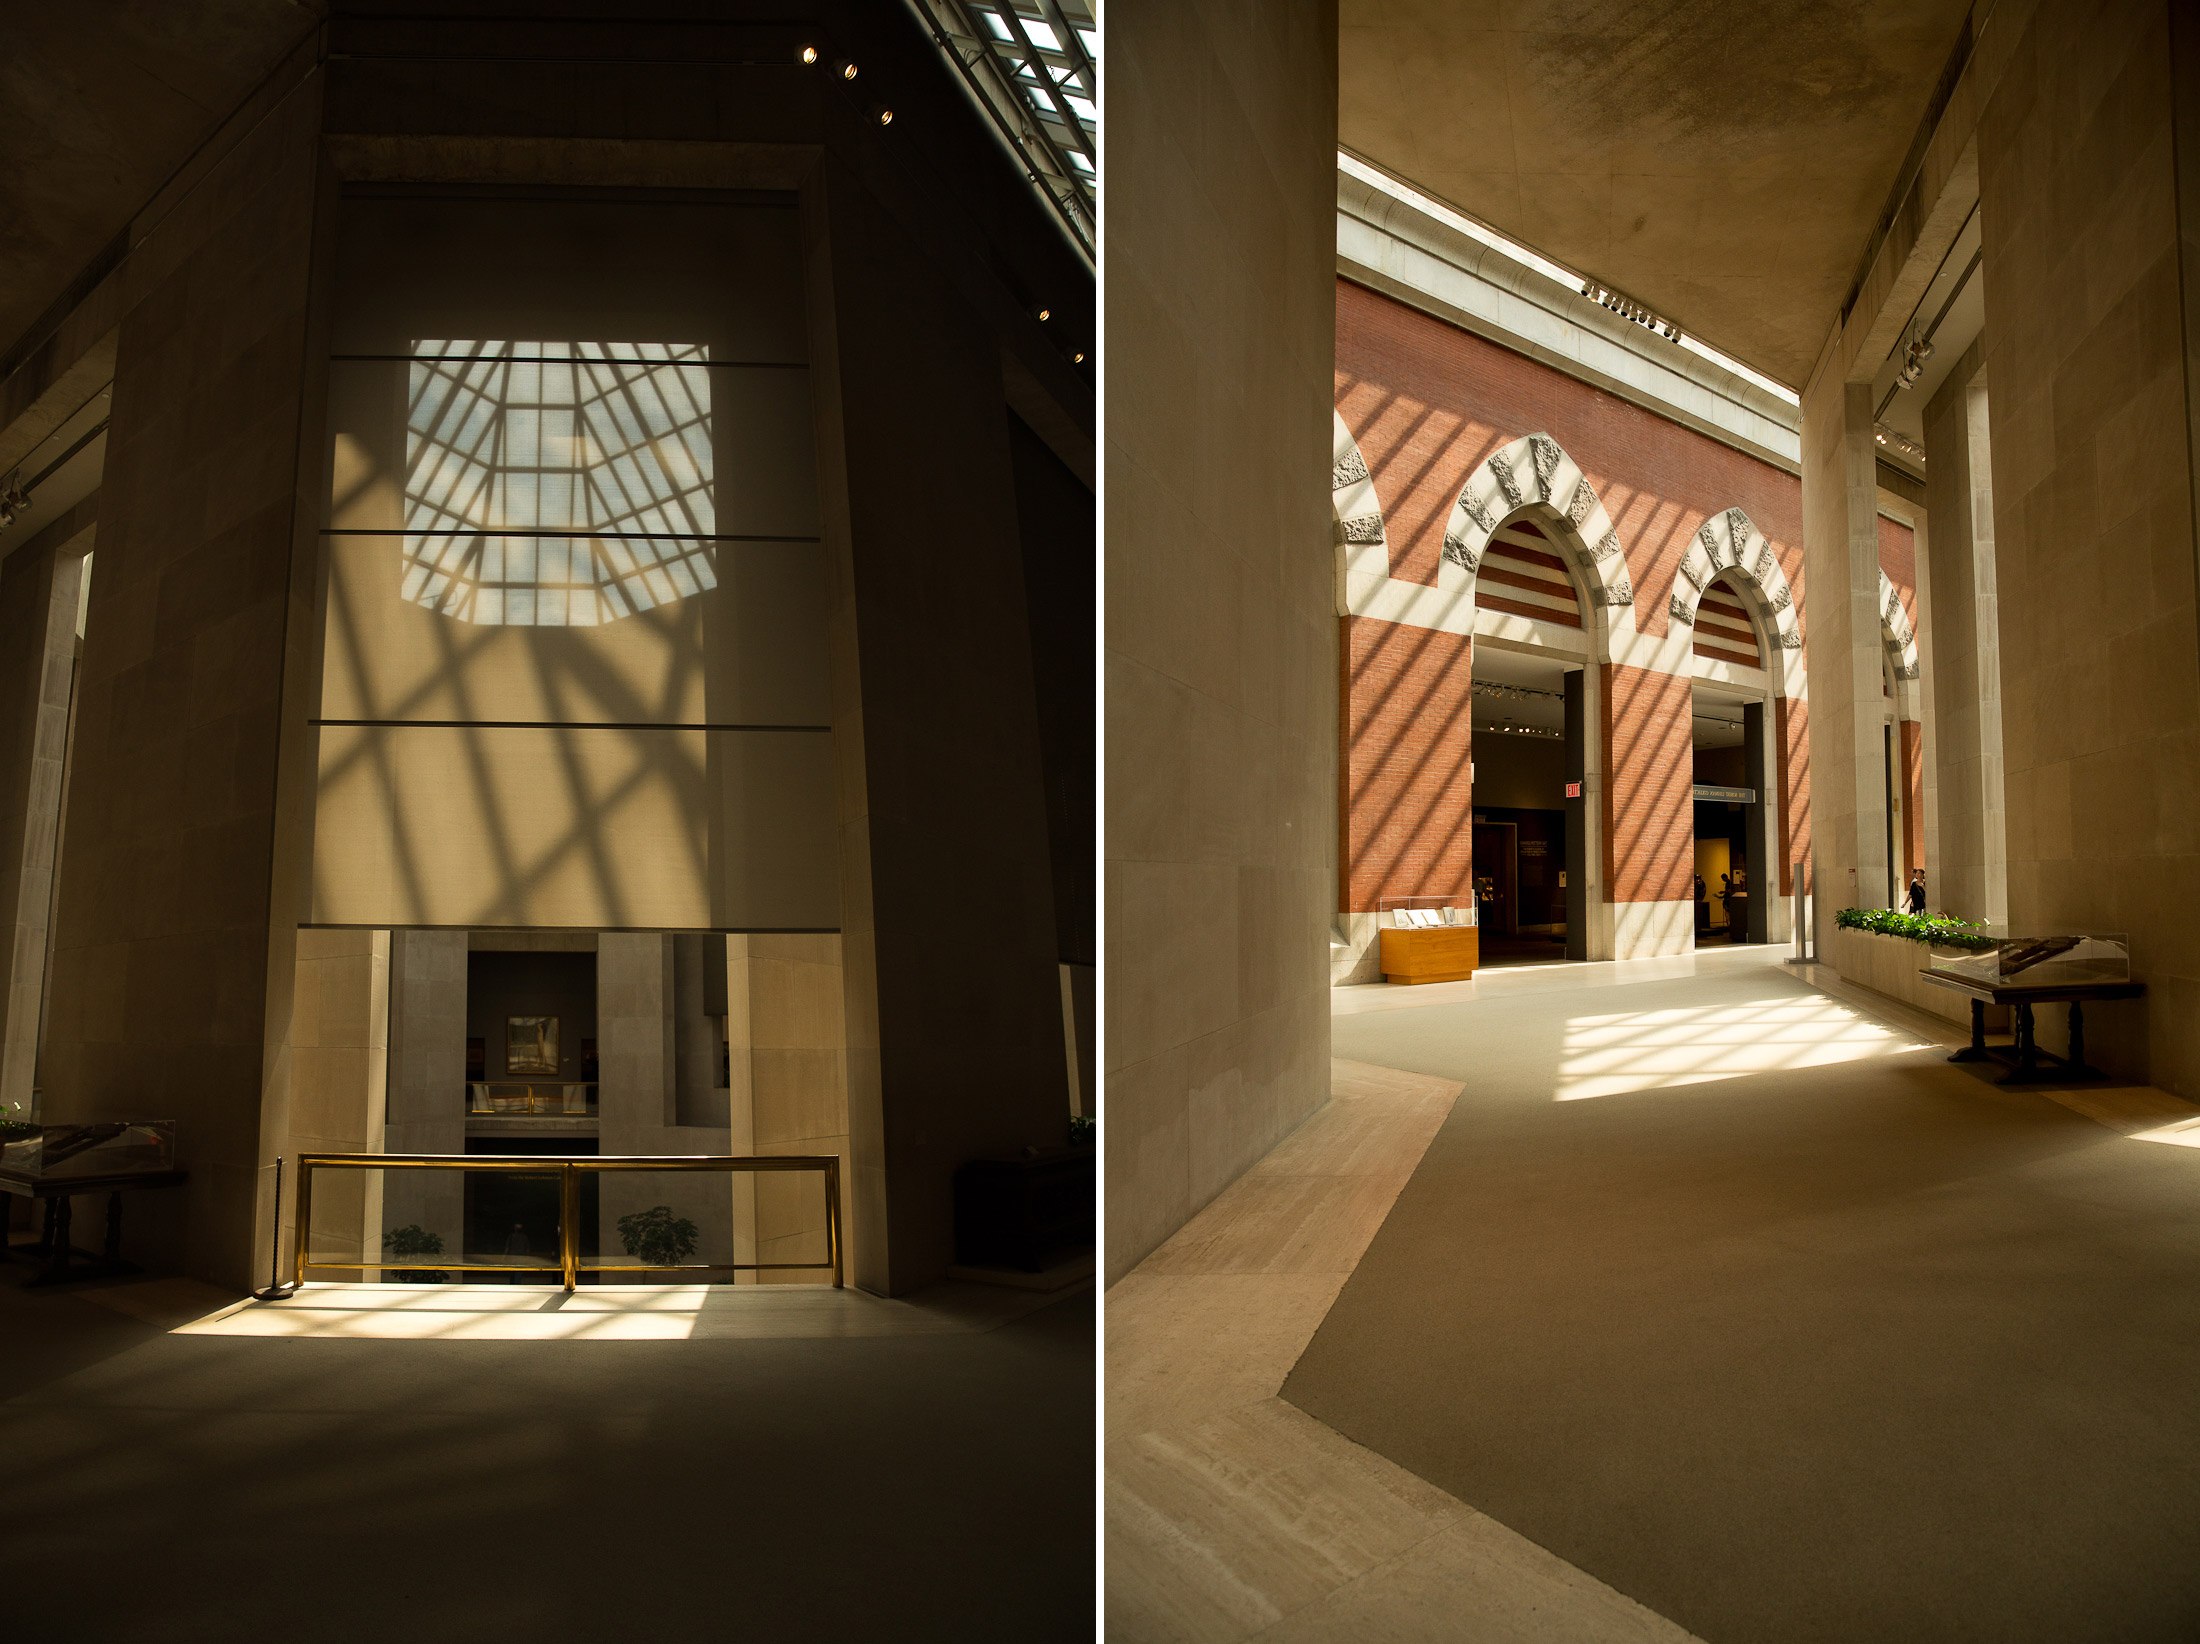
531,1044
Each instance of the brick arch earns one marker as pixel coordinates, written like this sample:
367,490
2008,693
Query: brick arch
1352,500
1728,545
1900,640
1535,475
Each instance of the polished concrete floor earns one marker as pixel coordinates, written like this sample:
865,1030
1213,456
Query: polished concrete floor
497,1462
1681,1296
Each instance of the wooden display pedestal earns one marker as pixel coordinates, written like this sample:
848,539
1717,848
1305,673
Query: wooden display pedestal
1443,953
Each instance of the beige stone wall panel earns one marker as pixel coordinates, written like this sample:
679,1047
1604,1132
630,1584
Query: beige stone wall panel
1221,627
2088,354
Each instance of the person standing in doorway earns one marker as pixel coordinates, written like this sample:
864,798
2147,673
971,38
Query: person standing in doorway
1913,900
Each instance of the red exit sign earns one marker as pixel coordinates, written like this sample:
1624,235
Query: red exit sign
1573,790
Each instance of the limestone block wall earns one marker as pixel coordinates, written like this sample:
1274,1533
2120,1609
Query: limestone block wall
1221,632
2085,209
171,962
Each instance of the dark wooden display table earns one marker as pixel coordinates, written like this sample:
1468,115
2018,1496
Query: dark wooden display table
2027,1063
59,1260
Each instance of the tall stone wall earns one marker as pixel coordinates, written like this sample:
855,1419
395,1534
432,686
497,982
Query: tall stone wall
2085,209
1221,634
168,998
40,583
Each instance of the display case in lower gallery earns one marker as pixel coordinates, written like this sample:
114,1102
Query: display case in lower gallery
49,1155
1428,939
2038,961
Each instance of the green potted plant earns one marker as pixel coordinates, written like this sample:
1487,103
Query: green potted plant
658,1238
414,1240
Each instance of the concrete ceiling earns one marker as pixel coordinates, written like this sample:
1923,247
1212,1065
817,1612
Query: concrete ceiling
98,104
1722,161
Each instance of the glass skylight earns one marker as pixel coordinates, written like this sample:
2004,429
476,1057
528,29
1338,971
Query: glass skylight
1034,65
557,484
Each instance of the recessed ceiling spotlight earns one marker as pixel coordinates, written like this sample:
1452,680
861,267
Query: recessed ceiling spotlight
884,116
847,71
1080,359
1046,313
809,54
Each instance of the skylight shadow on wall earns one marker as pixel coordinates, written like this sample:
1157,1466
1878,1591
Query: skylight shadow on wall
557,484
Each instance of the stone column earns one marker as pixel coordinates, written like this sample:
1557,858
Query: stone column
339,1072
637,1027
790,1090
1970,875
1222,635
427,1082
39,587
1758,768
1849,824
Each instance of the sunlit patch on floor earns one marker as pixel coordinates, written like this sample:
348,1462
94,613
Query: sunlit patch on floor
670,1312
465,1312
2183,1133
1615,1055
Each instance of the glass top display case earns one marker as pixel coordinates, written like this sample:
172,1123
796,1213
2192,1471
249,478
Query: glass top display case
58,1153
2037,961
1424,912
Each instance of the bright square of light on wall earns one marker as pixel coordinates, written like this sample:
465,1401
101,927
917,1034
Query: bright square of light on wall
556,484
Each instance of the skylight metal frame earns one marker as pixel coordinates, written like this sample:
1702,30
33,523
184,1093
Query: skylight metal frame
1030,64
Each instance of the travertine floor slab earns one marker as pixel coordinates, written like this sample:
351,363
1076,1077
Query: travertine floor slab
1731,1291
1231,1515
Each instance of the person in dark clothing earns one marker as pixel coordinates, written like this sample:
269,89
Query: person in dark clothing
1913,900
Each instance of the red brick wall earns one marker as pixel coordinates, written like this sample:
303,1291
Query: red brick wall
1405,812
1898,559
1429,402
1650,773
1792,719
1913,801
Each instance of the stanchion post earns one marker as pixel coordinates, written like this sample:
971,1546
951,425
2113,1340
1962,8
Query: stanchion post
569,1224
305,1213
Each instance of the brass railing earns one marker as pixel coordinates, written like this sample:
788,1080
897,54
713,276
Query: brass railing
568,1170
